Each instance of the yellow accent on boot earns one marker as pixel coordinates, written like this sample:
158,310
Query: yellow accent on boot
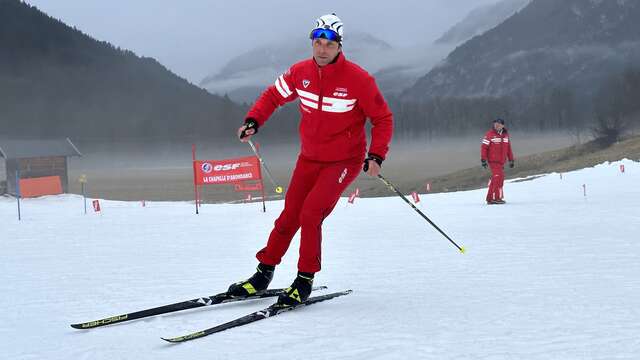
250,289
295,295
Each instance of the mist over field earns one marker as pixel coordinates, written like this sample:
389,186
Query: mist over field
152,171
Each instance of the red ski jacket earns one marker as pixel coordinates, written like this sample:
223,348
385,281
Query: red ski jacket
335,101
496,146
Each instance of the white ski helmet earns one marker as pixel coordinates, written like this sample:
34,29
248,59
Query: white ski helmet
329,27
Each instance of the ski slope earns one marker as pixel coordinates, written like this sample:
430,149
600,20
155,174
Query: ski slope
554,274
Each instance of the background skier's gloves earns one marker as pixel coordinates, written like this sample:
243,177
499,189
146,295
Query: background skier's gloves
373,157
484,163
512,164
250,123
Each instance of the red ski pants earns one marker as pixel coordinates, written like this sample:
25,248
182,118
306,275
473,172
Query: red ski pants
496,182
313,192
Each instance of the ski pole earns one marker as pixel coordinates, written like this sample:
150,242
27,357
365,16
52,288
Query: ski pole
266,169
394,189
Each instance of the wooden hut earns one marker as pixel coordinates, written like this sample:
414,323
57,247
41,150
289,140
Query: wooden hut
35,159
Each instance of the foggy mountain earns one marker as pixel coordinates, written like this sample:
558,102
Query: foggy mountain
57,81
395,69
480,20
572,43
246,75
411,64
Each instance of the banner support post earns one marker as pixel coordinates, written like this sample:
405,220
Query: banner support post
264,207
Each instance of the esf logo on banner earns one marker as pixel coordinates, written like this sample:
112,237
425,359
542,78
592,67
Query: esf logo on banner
207,168
226,167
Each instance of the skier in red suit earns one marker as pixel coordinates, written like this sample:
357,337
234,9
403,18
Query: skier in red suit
494,151
335,98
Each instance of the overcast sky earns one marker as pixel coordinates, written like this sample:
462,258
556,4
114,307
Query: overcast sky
193,38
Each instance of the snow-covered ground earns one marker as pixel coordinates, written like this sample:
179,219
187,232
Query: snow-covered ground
551,275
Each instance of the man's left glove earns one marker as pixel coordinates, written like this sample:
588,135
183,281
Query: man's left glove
512,164
373,157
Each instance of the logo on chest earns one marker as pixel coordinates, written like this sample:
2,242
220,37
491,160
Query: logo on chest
340,92
305,83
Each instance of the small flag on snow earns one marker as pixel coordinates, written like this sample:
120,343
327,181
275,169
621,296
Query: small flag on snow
622,168
352,198
96,205
416,197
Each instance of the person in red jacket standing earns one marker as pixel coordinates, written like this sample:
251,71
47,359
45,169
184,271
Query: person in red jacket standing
494,151
335,97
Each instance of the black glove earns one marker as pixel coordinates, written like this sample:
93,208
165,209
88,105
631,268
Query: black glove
484,163
512,164
250,123
373,157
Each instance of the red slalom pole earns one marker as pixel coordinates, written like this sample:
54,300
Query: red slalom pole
195,181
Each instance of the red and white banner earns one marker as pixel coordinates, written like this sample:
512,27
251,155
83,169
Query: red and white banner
416,197
352,198
209,172
96,206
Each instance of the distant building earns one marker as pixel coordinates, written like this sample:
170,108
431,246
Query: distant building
34,159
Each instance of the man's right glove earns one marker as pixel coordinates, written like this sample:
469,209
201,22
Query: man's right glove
249,123
484,163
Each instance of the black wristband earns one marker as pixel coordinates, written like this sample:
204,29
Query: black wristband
373,157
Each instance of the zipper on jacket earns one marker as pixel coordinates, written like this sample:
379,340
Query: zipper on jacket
320,98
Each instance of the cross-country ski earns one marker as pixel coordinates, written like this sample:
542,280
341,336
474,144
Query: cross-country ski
270,311
221,298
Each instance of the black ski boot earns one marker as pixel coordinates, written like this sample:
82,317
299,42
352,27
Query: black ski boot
255,284
298,292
